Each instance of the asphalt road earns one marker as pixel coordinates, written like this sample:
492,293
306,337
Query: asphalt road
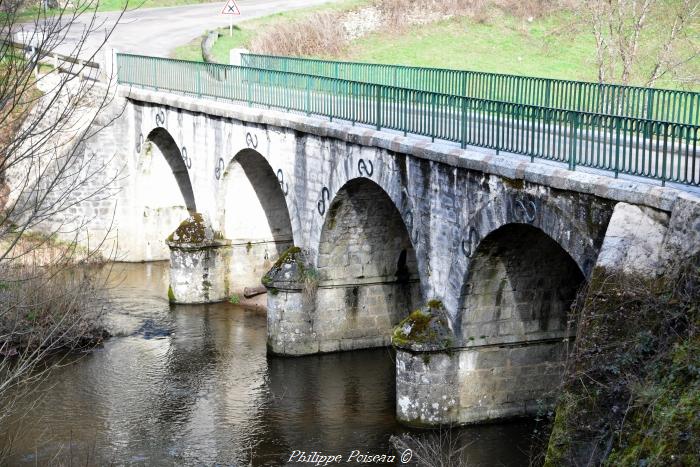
158,31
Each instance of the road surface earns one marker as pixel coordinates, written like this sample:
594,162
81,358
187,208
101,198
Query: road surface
158,31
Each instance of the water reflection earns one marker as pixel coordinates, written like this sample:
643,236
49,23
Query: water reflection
192,385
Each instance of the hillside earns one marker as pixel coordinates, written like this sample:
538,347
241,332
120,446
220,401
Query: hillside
524,38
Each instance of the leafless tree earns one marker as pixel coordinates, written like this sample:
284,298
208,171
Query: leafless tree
643,41
50,298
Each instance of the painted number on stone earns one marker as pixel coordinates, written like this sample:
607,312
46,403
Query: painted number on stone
160,117
219,170
251,140
325,196
525,211
409,226
283,185
139,143
363,168
186,158
467,243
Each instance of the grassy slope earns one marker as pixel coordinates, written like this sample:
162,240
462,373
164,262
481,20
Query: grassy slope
550,47
503,45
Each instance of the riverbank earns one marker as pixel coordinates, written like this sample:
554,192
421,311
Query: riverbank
631,392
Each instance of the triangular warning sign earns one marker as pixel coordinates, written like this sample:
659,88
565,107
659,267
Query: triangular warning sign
230,8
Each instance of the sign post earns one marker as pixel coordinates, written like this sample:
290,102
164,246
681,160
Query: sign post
231,9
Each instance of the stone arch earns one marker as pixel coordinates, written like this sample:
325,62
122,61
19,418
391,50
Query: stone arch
178,164
556,217
254,216
162,196
368,276
514,326
519,287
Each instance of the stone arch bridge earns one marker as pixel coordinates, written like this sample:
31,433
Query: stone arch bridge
383,225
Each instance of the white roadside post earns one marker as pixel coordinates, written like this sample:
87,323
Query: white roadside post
235,56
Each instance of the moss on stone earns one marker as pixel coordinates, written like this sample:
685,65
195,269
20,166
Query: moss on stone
171,294
516,184
289,256
426,328
191,230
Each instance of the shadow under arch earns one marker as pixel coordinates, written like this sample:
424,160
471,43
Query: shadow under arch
514,327
173,156
254,216
368,273
519,287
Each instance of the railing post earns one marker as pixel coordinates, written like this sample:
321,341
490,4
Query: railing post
499,110
650,108
665,153
379,107
155,75
307,102
617,145
248,91
574,133
199,81
464,122
433,117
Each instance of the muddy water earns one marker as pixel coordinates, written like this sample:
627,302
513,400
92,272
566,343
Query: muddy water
192,385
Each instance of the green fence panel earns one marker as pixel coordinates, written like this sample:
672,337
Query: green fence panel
628,101
661,150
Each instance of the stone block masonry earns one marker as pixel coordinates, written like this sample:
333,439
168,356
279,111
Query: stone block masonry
387,223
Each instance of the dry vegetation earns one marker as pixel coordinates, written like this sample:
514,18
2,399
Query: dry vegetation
631,394
321,33
329,33
51,297
441,448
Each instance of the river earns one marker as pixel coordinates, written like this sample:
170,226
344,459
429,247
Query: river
192,385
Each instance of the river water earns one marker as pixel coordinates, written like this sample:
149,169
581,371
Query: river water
192,385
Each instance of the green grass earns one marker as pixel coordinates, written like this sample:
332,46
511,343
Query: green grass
550,47
503,45
553,46
245,31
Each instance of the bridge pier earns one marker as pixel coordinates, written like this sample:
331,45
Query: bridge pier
199,263
511,336
290,323
465,386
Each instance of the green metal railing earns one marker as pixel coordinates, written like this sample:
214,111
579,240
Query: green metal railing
610,99
617,144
